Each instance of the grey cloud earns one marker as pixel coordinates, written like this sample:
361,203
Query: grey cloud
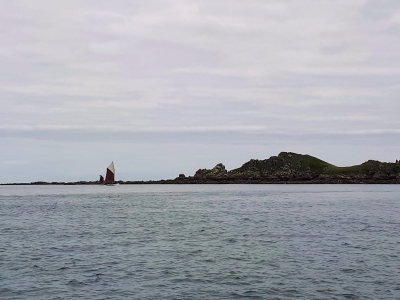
219,73
379,10
205,136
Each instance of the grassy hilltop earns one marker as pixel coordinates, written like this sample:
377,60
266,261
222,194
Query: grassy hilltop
293,167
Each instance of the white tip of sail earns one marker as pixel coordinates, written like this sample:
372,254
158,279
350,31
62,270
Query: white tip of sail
111,167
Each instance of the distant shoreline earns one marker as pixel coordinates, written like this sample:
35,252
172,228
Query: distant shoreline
193,181
285,168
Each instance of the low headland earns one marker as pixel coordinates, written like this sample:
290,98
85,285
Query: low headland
287,167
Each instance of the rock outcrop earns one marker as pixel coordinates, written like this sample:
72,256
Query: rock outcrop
217,172
290,167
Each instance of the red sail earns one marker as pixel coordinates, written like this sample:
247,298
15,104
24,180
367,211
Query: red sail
109,176
101,179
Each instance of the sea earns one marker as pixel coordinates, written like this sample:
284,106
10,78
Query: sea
200,242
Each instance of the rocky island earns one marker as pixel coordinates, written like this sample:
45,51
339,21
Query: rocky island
290,167
287,167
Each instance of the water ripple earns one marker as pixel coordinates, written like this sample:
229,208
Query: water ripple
200,242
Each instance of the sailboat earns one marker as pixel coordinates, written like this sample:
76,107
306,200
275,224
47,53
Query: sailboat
110,176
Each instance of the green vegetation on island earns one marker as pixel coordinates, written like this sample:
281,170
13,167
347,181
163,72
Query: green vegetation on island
290,167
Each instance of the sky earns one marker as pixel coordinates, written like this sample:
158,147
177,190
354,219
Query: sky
169,87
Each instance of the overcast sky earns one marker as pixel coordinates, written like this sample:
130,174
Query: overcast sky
168,87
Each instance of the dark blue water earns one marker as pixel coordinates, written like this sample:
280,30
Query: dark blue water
200,242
